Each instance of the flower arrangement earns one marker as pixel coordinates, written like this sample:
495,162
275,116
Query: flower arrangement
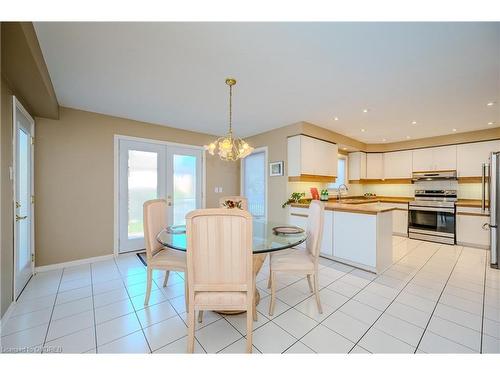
232,204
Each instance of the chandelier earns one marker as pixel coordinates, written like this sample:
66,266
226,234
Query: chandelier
229,147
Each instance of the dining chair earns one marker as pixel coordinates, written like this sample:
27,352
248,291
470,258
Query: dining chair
301,261
234,198
158,256
219,265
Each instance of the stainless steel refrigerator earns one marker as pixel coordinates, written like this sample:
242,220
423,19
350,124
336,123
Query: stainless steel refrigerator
491,179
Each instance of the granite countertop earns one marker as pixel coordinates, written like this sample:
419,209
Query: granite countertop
351,202
370,207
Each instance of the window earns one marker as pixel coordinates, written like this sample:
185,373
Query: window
254,183
341,173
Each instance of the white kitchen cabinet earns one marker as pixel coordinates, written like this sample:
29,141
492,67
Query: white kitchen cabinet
435,159
311,156
397,164
471,156
469,226
375,166
298,216
357,166
399,218
326,247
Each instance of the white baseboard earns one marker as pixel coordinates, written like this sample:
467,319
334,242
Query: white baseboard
474,245
7,314
73,263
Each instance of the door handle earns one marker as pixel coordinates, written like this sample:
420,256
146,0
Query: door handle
487,226
19,218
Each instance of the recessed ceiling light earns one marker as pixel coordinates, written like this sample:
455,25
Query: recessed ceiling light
344,148
383,139
414,123
490,123
335,119
408,137
454,129
365,110
490,104
363,130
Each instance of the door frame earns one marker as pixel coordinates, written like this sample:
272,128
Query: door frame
16,105
116,181
266,176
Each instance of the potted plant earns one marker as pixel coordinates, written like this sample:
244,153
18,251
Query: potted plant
294,198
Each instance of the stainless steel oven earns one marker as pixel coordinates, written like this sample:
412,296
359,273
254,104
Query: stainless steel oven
431,216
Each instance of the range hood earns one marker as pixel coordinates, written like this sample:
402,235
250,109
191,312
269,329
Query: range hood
432,176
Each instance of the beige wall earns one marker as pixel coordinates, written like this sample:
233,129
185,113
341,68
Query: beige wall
74,180
6,228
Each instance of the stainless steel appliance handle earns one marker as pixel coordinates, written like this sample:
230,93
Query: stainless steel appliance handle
432,209
483,187
493,187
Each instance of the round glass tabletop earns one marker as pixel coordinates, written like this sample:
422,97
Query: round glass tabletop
265,240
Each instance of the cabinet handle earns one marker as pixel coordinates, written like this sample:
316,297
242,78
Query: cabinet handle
301,215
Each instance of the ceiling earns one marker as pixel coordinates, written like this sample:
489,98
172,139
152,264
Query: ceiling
441,75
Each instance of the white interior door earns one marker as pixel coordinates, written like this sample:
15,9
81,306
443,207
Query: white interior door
184,187
149,170
254,182
142,176
24,252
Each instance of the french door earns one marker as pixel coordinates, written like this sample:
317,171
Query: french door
149,170
254,182
24,253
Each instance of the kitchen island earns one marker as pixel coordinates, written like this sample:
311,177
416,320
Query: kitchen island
359,235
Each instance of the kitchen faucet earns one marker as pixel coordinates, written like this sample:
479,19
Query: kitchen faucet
341,188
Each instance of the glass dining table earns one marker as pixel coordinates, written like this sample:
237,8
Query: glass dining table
265,240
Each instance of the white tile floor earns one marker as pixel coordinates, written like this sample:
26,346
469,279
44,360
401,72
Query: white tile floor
434,299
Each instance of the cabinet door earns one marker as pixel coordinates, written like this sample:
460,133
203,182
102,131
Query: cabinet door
400,222
398,164
298,217
471,156
470,230
327,240
422,160
375,166
444,158
310,155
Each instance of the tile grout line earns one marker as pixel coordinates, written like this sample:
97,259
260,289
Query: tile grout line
349,299
484,301
52,312
437,301
93,306
135,311
401,291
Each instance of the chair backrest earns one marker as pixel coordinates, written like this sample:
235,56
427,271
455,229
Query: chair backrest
234,198
219,250
155,220
315,227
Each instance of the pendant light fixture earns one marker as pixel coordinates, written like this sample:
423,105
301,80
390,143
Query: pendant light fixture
229,147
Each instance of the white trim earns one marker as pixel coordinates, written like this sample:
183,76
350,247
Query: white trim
72,263
116,182
266,175
6,316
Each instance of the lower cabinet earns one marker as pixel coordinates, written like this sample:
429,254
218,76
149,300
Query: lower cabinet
399,218
327,241
298,216
470,230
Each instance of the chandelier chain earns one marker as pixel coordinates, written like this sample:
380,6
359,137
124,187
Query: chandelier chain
230,109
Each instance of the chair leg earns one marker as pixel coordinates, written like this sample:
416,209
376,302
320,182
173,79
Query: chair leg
310,283
269,280
148,289
191,327
186,295
316,291
200,316
273,293
166,279
250,319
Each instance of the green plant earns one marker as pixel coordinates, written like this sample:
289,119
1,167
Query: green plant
294,198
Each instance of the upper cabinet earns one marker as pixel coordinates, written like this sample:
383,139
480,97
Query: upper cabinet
375,166
398,165
471,156
311,159
357,166
435,159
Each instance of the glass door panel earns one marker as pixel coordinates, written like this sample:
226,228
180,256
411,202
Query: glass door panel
184,189
254,183
141,178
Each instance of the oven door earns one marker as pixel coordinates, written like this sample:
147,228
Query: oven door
438,221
